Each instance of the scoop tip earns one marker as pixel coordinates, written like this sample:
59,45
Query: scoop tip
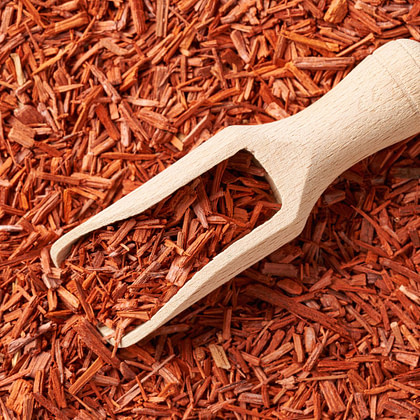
58,253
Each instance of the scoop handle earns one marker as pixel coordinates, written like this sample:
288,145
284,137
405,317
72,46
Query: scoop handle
376,105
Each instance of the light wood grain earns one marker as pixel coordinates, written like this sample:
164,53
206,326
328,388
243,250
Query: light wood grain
375,106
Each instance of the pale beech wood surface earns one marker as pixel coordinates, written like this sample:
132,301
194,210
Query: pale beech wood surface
375,106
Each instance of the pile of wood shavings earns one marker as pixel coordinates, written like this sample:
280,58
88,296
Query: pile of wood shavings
95,99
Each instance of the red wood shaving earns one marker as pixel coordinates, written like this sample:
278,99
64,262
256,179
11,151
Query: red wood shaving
97,97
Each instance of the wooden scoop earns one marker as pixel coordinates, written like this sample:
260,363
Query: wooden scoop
375,106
